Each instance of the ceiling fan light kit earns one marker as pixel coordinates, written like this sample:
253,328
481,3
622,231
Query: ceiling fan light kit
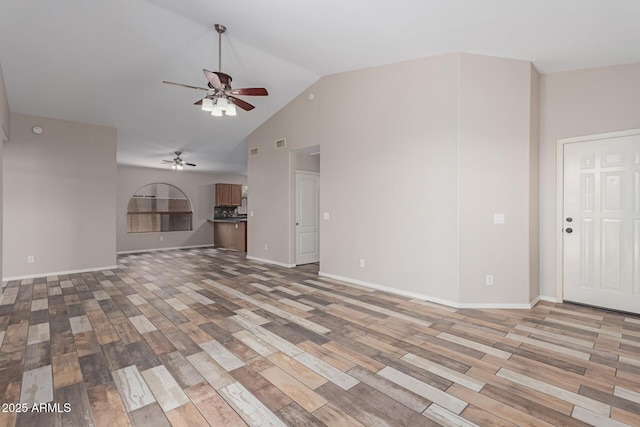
207,104
231,110
220,99
222,103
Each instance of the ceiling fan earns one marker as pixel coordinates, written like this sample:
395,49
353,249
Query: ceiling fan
177,162
220,99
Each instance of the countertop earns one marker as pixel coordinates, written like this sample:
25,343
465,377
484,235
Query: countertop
230,219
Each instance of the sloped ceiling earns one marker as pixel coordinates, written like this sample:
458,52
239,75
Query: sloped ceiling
103,62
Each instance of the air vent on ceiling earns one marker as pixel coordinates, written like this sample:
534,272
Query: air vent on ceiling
280,143
254,152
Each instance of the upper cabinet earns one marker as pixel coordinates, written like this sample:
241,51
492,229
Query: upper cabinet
236,195
228,194
223,194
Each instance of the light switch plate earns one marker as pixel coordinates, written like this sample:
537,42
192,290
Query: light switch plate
498,218
325,215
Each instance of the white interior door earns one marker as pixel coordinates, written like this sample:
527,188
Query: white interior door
307,217
601,223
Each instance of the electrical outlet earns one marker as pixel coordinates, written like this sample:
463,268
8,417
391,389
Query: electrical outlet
325,216
361,263
31,259
161,238
266,247
489,280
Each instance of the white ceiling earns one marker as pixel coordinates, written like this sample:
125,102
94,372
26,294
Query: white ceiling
102,62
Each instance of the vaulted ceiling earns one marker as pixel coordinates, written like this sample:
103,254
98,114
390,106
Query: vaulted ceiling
103,62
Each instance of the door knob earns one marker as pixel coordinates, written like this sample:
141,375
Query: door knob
569,230
569,219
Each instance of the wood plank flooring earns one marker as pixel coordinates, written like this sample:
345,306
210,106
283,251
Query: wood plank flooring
204,337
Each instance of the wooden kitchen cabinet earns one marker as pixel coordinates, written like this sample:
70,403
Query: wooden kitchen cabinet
228,194
220,234
223,194
236,194
230,235
237,235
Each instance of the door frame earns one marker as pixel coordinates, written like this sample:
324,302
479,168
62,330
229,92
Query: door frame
560,198
295,219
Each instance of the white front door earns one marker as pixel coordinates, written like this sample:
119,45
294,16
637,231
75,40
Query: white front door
307,217
601,222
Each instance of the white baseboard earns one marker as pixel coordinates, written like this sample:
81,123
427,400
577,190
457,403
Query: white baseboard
163,249
548,299
268,261
505,306
416,295
534,301
59,273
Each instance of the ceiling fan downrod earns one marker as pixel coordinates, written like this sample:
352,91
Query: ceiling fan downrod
220,29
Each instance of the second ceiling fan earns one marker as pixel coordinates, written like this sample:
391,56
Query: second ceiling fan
220,99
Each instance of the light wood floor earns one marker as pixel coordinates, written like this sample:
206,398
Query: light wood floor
199,337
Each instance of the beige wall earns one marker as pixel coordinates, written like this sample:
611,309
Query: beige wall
198,187
4,135
578,103
388,175
411,178
59,194
494,172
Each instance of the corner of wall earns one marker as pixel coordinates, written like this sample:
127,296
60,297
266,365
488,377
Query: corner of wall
5,126
494,133
457,209
4,136
534,187
2,139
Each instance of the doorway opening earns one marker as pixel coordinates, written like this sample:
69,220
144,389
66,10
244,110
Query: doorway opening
305,206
